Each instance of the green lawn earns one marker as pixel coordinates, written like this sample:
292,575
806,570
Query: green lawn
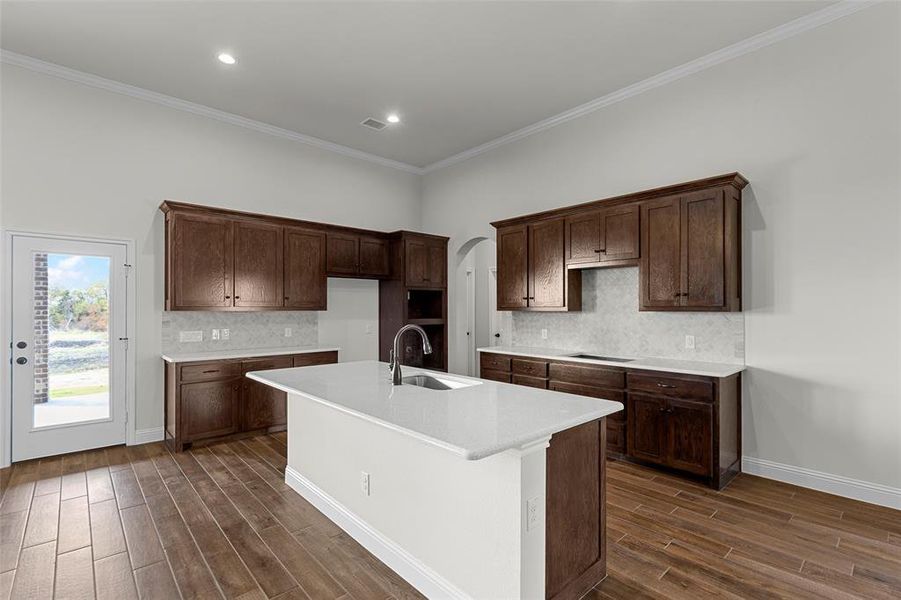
68,392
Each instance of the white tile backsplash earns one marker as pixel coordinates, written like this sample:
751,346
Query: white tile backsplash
247,330
611,324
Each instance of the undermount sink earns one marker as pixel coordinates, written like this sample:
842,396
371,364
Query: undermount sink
437,383
596,357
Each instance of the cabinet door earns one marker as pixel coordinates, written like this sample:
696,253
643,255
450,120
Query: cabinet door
619,233
209,408
703,250
645,434
512,267
689,431
660,271
264,406
259,271
547,270
437,263
416,262
583,238
343,254
373,257
305,276
202,264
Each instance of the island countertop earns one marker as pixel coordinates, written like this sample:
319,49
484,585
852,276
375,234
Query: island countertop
474,422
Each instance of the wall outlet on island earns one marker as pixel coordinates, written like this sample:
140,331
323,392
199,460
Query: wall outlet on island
364,482
288,332
690,342
544,334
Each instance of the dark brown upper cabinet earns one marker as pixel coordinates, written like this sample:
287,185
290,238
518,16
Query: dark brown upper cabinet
352,255
306,285
199,261
690,257
532,271
259,269
606,237
425,262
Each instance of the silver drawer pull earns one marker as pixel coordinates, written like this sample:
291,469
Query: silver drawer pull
664,385
212,371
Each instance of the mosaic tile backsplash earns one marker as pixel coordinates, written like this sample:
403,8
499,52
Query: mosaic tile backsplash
611,324
247,330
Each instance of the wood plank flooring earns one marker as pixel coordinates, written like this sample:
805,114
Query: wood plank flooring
219,522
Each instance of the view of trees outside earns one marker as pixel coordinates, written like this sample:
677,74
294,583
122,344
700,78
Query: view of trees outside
78,353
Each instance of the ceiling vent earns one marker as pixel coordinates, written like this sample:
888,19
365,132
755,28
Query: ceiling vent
374,124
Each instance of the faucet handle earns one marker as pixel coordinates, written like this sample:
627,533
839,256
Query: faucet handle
391,359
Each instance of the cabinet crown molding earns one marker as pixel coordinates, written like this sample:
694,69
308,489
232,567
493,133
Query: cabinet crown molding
734,179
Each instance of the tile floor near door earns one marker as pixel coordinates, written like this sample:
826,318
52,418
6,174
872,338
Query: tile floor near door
220,522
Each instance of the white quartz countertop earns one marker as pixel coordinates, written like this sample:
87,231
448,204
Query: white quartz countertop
179,357
474,422
687,367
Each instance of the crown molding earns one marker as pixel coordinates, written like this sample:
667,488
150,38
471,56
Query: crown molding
756,42
117,87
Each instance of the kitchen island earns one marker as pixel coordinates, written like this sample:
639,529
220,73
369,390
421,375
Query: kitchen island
482,490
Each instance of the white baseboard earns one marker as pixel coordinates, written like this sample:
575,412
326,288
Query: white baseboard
404,564
874,493
145,436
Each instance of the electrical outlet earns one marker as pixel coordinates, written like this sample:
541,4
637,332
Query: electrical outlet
224,333
190,336
544,334
364,482
369,329
690,342
215,335
532,508
288,332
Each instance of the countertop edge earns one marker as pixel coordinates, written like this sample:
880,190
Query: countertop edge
249,353
638,364
471,454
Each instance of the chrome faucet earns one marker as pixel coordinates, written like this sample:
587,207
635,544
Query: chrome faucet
394,360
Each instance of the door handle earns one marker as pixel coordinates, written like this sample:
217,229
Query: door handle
21,360
497,335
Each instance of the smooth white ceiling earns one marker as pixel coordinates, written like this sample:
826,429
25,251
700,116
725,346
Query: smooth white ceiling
459,73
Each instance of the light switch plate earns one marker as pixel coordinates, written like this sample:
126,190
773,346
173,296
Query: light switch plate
224,333
190,336
532,507
364,483
544,334
215,335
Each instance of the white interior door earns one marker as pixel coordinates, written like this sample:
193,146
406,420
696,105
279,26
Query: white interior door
69,344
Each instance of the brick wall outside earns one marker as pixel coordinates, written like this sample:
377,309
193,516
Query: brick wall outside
41,328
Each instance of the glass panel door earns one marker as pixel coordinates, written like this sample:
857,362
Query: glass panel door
69,345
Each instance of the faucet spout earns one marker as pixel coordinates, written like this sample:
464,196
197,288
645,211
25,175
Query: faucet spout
396,376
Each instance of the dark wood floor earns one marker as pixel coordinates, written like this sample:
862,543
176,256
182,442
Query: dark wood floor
219,522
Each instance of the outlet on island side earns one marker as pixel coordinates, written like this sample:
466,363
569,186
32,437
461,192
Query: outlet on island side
364,482
690,342
288,332
544,334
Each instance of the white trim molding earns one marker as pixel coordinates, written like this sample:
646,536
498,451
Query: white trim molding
874,493
756,42
117,87
146,436
404,564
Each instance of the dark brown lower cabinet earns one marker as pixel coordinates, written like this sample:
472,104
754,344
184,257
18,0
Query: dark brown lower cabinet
687,424
209,400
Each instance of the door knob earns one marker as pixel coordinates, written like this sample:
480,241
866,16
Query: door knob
497,335
21,360
21,345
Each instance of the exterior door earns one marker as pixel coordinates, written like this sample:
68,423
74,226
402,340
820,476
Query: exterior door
69,345
547,271
660,273
512,267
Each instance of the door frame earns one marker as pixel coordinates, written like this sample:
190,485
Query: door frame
470,333
6,333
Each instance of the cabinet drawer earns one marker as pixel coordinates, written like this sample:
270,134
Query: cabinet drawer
535,382
495,375
675,387
588,375
265,364
532,368
209,371
593,392
495,362
315,358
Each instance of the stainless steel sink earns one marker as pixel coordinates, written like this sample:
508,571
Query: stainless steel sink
438,383
596,357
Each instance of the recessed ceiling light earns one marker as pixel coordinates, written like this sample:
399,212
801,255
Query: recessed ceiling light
393,118
226,58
